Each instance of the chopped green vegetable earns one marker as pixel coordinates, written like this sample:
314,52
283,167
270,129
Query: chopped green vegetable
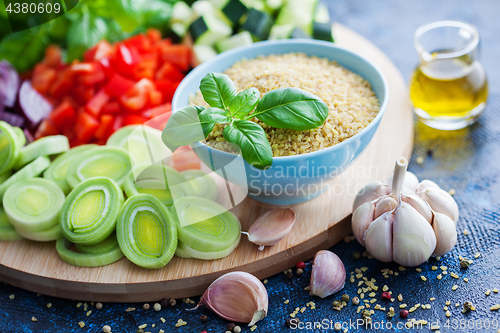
240,39
258,23
7,230
31,170
208,29
203,185
49,145
96,259
10,146
50,234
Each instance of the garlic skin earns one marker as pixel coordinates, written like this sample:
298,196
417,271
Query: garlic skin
385,204
440,202
370,192
410,181
446,234
420,205
271,227
238,297
426,184
361,219
328,274
379,237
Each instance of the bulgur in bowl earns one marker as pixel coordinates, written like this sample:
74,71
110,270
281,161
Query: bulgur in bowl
303,162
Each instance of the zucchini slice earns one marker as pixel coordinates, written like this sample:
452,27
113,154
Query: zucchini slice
298,12
208,29
146,231
7,230
33,205
203,185
104,161
258,23
89,213
10,145
202,53
322,15
205,227
82,259
234,10
31,170
240,39
322,31
49,145
59,167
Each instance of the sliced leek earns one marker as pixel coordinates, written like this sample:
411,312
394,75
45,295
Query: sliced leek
31,170
106,245
49,145
146,231
50,234
143,143
159,180
184,251
11,143
102,258
89,213
205,229
59,167
7,230
33,205
203,185
110,162
4,176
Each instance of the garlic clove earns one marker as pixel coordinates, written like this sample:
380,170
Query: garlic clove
410,181
371,191
238,297
413,237
361,219
271,227
378,237
385,204
426,184
440,202
328,274
420,205
446,234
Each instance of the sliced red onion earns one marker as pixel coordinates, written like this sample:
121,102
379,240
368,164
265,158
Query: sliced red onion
9,83
12,118
33,105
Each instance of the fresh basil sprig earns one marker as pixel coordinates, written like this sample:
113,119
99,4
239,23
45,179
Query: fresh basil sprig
288,108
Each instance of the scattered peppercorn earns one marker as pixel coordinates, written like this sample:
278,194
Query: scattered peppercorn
430,152
106,329
464,263
336,303
300,271
386,295
237,329
301,265
231,326
467,306
289,274
164,303
98,305
355,300
172,302
345,298
140,330
157,307
403,313
145,307
356,255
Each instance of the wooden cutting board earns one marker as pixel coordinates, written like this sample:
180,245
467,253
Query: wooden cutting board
320,223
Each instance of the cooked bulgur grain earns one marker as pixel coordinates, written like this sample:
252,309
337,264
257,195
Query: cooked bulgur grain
352,103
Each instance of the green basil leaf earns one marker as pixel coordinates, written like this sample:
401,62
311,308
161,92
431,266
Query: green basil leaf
244,103
251,139
25,48
218,90
85,32
128,13
291,108
183,128
212,116
156,14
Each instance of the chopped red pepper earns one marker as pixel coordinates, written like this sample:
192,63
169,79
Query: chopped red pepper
169,72
96,103
86,126
105,127
111,108
63,115
117,86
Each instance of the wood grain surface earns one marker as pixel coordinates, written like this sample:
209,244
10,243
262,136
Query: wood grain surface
320,223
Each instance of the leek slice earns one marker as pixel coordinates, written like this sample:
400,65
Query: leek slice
205,227
33,205
203,185
89,213
143,143
59,167
110,162
11,143
49,145
184,251
31,170
102,258
106,245
4,176
50,234
161,181
146,231
7,230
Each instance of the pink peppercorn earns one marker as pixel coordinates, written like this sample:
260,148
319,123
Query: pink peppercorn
386,295
301,265
403,313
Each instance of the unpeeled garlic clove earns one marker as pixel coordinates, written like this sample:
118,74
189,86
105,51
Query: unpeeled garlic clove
238,297
361,219
385,204
413,237
446,234
371,191
410,181
328,274
271,227
378,237
426,184
420,205
440,202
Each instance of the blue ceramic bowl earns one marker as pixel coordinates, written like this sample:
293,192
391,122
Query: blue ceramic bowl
290,179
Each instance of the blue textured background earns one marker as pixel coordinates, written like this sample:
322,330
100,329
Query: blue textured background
466,160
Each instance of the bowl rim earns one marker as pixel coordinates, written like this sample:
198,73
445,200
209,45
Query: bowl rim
220,57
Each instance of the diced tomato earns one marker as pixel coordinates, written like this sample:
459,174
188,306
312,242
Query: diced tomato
83,94
99,51
184,158
147,67
62,84
63,116
133,119
179,55
157,111
46,128
154,35
86,126
96,103
140,42
53,57
138,96
167,88
169,72
42,78
105,127
126,58
111,108
118,85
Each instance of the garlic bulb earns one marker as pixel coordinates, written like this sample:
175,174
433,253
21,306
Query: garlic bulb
407,225
238,297
328,274
271,227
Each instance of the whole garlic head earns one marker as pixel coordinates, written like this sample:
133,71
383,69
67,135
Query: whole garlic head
403,220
